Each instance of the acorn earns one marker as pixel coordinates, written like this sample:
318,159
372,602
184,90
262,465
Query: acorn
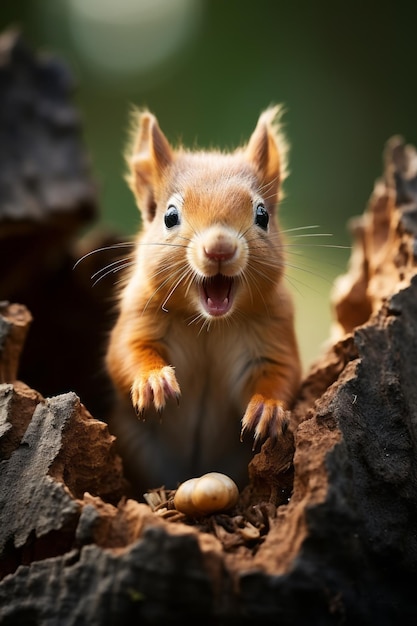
211,493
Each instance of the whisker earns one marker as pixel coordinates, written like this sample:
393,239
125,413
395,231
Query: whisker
262,296
197,318
290,230
103,249
112,271
191,278
285,243
245,280
291,280
316,245
310,261
205,324
167,265
107,267
151,297
312,235
293,240
161,243
188,239
258,272
181,278
310,272
259,263
288,266
262,261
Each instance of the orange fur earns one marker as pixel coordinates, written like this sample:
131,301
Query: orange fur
205,314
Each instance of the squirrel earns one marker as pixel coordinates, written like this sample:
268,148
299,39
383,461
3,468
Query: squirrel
204,346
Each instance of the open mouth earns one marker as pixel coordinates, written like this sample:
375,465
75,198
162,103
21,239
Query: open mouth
216,294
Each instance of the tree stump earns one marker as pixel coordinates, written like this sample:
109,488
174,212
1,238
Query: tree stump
325,531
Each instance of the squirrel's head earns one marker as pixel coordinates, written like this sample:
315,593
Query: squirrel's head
216,213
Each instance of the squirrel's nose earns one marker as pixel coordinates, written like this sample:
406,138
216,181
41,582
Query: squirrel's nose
219,244
220,251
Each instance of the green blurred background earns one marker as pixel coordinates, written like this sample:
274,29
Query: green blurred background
207,68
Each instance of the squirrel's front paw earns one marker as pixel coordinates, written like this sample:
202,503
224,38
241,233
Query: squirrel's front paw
154,387
265,417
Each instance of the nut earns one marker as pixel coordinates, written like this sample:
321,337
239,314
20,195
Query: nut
211,493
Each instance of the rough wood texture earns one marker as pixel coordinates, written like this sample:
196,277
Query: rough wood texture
14,324
48,175
46,196
323,534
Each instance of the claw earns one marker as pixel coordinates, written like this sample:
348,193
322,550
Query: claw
265,417
139,413
154,388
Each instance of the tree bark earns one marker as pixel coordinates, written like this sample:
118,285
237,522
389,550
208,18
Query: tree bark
324,533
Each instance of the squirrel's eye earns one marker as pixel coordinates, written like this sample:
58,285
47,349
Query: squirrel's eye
172,216
261,216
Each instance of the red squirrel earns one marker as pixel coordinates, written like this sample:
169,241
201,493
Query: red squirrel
204,346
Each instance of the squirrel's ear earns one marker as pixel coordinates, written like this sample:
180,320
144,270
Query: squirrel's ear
267,150
148,158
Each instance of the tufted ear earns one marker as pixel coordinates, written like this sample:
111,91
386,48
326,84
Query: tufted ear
149,156
267,150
